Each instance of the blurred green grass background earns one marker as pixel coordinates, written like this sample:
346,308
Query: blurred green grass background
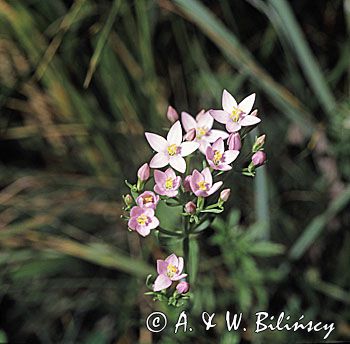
81,80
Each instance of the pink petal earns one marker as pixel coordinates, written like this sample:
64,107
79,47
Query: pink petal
148,211
157,142
180,267
228,101
224,167
207,176
159,190
161,282
199,114
230,156
136,211
159,177
220,116
214,188
205,120
188,147
169,173
161,266
232,126
250,120
153,224
214,134
175,134
132,223
176,182
178,277
203,146
143,230
171,193
178,163
219,145
188,121
247,103
159,160
172,259
195,179
209,153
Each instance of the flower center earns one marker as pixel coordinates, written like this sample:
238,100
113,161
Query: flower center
142,219
169,183
217,157
172,149
236,114
203,185
171,270
148,199
201,132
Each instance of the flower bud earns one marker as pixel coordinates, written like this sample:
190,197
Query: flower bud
234,142
128,200
224,195
143,172
258,158
183,287
260,140
190,207
190,135
172,114
186,184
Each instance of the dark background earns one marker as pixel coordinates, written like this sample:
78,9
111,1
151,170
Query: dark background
80,81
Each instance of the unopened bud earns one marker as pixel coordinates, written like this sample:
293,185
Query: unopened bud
183,287
190,135
186,184
224,195
143,172
190,207
234,142
259,143
128,200
258,158
172,114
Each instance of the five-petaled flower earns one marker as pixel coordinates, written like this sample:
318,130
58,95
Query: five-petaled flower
235,116
218,158
202,183
142,220
170,150
204,134
169,270
147,199
167,183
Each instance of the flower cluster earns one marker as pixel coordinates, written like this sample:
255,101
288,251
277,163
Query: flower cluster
185,172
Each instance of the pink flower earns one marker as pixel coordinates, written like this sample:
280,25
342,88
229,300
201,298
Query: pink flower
143,172
183,287
259,158
142,220
233,115
147,199
170,150
218,158
169,270
172,114
186,184
202,183
234,142
203,129
167,183
225,194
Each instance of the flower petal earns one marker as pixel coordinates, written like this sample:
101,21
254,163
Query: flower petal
207,176
188,147
220,116
214,134
159,160
178,277
180,266
143,230
159,177
132,223
205,120
250,120
219,145
154,223
161,266
232,126
172,259
175,134
228,101
188,122
230,156
159,190
214,188
161,282
247,103
136,211
157,142
178,163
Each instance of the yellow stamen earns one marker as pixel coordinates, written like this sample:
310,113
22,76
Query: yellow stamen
148,199
235,114
142,219
169,183
171,270
217,157
172,149
202,185
201,132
